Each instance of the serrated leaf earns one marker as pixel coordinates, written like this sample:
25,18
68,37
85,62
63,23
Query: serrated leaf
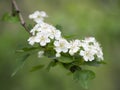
51,64
30,26
37,67
50,53
84,76
69,73
5,17
76,75
26,49
94,63
9,18
30,48
65,59
59,27
20,66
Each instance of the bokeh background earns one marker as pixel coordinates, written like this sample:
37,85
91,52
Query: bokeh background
98,18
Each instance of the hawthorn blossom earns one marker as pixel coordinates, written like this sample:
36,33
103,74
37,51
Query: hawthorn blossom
74,47
98,49
89,40
61,45
32,40
49,29
91,48
88,55
55,34
38,16
42,38
45,27
35,29
43,33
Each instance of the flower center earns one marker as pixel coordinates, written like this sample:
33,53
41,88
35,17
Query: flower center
61,44
42,38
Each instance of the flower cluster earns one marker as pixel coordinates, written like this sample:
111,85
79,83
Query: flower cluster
44,33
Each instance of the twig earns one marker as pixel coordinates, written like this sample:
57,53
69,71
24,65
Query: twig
16,10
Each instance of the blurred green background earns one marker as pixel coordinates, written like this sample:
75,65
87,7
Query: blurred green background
98,18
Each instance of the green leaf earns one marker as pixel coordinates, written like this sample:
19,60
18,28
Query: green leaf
69,36
35,68
59,27
26,49
9,18
94,63
20,66
50,53
76,75
84,76
65,59
51,64
30,26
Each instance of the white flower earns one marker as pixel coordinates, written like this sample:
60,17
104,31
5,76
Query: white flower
74,46
55,34
99,52
90,40
61,45
88,55
32,40
45,27
35,29
58,54
51,31
91,47
42,38
38,16
40,54
43,33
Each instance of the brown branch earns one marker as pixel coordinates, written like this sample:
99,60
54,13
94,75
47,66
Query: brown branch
16,10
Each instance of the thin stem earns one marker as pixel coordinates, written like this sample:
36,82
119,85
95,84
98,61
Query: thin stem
17,11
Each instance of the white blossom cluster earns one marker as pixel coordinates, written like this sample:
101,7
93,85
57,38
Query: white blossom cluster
43,33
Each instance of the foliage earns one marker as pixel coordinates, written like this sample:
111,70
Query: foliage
72,63
9,18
